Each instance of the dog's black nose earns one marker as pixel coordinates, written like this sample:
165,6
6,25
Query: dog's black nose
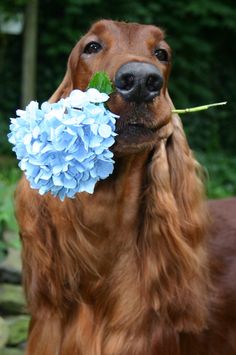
140,82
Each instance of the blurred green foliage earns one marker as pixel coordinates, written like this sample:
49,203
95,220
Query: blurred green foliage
9,175
221,174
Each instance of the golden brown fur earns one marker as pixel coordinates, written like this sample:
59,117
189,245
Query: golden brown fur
125,271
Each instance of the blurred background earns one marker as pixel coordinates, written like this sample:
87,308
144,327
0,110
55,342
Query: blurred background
36,38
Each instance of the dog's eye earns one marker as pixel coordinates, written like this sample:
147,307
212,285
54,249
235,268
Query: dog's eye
92,47
161,54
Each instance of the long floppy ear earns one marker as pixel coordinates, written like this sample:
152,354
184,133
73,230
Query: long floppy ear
186,178
172,240
68,81
64,88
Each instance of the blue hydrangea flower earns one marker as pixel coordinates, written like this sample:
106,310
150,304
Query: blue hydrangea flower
63,147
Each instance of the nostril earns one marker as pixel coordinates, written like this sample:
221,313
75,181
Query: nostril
154,83
125,82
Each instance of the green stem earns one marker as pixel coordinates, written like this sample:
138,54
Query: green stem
199,108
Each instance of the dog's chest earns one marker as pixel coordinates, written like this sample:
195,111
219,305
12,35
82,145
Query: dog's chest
111,215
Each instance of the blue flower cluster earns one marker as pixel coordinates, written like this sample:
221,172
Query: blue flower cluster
64,147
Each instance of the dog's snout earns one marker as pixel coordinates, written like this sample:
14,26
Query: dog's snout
140,82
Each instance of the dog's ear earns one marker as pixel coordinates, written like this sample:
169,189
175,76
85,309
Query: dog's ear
174,228
186,178
68,82
63,89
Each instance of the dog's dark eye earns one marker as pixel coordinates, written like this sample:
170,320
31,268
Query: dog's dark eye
92,47
161,54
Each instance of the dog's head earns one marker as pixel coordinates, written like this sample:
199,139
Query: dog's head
137,59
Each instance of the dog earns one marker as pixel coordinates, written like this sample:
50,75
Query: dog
135,268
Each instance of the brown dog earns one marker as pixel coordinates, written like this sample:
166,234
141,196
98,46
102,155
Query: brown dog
128,270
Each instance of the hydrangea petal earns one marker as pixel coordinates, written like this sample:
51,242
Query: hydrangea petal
27,139
105,130
78,99
95,96
104,169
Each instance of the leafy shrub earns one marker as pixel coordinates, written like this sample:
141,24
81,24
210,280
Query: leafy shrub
9,175
221,172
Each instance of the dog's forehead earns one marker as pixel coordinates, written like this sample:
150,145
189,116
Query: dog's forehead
131,31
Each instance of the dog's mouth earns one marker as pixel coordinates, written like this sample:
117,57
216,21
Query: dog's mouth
136,129
133,136
137,126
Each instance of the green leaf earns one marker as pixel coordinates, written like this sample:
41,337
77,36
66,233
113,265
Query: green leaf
101,82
